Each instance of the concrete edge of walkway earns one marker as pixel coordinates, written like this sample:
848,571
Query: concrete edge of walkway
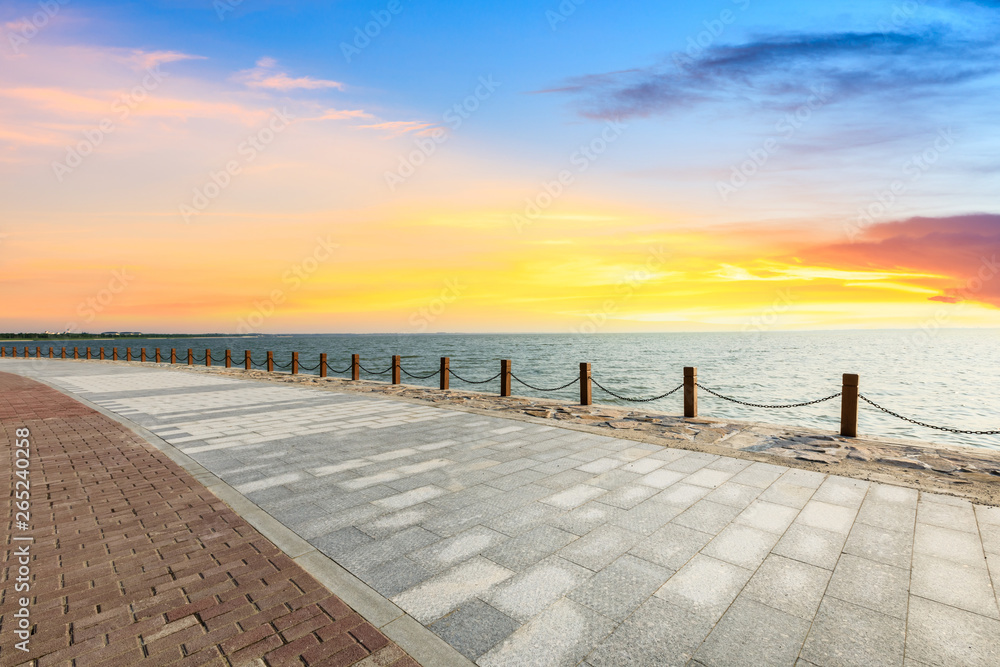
419,642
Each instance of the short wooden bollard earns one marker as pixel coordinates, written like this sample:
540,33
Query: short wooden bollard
247,364
505,377
190,357
208,357
64,353
158,357
27,353
849,406
38,352
142,354
100,353
586,394
322,365
88,353
270,362
445,372
128,353
229,359
173,355
295,363
13,351
395,369
690,392
76,352
355,366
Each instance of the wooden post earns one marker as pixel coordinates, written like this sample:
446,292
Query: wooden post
849,406
322,365
38,352
142,354
64,353
27,353
355,366
246,360
173,355
3,351
229,359
445,372
505,377
208,357
158,357
270,361
395,369
76,352
13,351
100,353
586,395
295,363
690,392
128,353
190,357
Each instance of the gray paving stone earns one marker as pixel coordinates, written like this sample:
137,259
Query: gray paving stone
737,495
681,495
395,522
752,634
474,628
876,586
523,519
691,462
708,517
955,545
615,479
741,545
760,475
845,635
341,542
881,545
952,516
834,518
586,518
807,478
617,590
841,491
453,550
705,586
627,497
529,593
790,495
381,551
561,636
394,576
815,546
530,547
434,598
600,547
574,496
794,587
767,516
646,518
957,584
708,477
672,546
644,466
658,634
938,634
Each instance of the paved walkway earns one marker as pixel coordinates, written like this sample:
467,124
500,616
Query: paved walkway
133,560
525,544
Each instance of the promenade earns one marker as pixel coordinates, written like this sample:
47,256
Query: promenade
470,539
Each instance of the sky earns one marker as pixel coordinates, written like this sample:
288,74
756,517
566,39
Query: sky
577,166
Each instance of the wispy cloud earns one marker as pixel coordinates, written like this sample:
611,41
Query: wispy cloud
775,71
396,128
140,60
267,76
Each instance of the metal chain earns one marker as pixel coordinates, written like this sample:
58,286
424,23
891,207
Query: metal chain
373,372
307,368
919,423
474,381
770,407
636,400
335,371
565,386
419,377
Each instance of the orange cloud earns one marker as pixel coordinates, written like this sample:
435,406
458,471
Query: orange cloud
265,75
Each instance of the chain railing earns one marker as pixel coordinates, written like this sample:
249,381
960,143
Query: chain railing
850,396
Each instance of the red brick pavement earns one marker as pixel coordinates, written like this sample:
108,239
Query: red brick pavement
134,560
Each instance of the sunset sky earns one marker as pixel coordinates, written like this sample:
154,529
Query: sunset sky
196,166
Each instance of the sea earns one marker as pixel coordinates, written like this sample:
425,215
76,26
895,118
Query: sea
948,378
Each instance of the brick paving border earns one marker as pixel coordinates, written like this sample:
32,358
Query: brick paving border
134,560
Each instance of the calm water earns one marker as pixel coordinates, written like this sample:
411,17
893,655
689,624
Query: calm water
950,379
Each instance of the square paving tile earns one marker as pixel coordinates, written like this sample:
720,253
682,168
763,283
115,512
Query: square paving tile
794,587
437,596
938,634
672,546
601,546
707,516
751,634
767,516
741,545
658,634
527,594
960,585
474,628
617,590
878,544
815,546
845,635
834,518
955,545
705,586
530,547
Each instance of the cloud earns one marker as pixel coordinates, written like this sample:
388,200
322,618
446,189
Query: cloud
265,75
396,128
141,60
960,253
776,71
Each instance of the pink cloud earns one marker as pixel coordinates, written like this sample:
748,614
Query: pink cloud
266,76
